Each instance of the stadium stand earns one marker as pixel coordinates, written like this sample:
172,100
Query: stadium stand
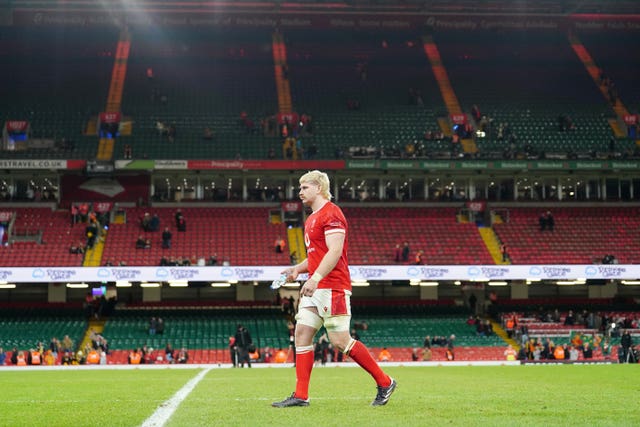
342,80
531,107
43,237
580,236
233,234
616,62
376,231
200,79
63,82
27,325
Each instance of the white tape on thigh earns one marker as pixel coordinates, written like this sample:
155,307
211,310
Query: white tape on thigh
309,318
337,323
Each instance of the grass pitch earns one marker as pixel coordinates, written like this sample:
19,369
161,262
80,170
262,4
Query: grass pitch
591,395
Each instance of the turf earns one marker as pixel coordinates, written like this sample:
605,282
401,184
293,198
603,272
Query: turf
593,395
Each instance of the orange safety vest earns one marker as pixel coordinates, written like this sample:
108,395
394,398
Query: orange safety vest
135,358
35,358
558,352
93,358
22,360
281,357
384,356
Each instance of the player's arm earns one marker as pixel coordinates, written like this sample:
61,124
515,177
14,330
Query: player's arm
335,245
292,272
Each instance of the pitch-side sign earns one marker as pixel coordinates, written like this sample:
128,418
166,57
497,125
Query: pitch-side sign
358,272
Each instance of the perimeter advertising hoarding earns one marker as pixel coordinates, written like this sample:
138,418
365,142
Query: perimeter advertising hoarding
358,272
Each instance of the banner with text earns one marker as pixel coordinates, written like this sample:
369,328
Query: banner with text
478,273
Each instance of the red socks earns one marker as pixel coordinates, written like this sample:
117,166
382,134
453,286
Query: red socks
360,354
304,365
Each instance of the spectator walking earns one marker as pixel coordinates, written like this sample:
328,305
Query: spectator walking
243,344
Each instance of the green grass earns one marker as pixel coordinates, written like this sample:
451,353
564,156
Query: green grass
589,395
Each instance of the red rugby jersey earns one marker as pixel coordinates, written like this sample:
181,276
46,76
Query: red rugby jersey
327,220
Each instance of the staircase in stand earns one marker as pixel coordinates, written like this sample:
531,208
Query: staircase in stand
114,99
492,243
94,325
446,90
594,71
282,81
296,243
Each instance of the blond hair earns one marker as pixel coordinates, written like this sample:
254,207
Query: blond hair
320,179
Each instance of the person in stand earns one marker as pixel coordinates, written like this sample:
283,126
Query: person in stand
325,296
166,238
279,245
405,252
551,222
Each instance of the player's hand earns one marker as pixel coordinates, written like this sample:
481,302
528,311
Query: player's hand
291,273
308,288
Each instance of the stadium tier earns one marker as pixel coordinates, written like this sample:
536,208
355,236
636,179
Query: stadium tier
43,238
524,82
616,63
240,236
377,231
356,85
244,236
366,91
580,235
194,81
57,80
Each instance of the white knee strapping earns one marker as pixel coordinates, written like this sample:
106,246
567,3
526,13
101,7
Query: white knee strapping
309,318
304,349
349,346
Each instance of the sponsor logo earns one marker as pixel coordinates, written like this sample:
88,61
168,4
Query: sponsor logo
4,274
494,272
535,271
473,271
611,271
432,272
249,273
178,273
369,273
60,274
590,271
125,274
556,271
33,164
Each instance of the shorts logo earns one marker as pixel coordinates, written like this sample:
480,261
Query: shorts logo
325,308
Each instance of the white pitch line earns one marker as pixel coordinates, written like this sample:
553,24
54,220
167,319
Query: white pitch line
166,409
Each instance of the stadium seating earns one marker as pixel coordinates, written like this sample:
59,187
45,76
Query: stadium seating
580,236
527,80
25,325
376,231
328,70
610,51
57,237
57,80
200,79
204,329
241,236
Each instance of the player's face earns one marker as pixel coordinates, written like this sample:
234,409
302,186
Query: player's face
308,193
